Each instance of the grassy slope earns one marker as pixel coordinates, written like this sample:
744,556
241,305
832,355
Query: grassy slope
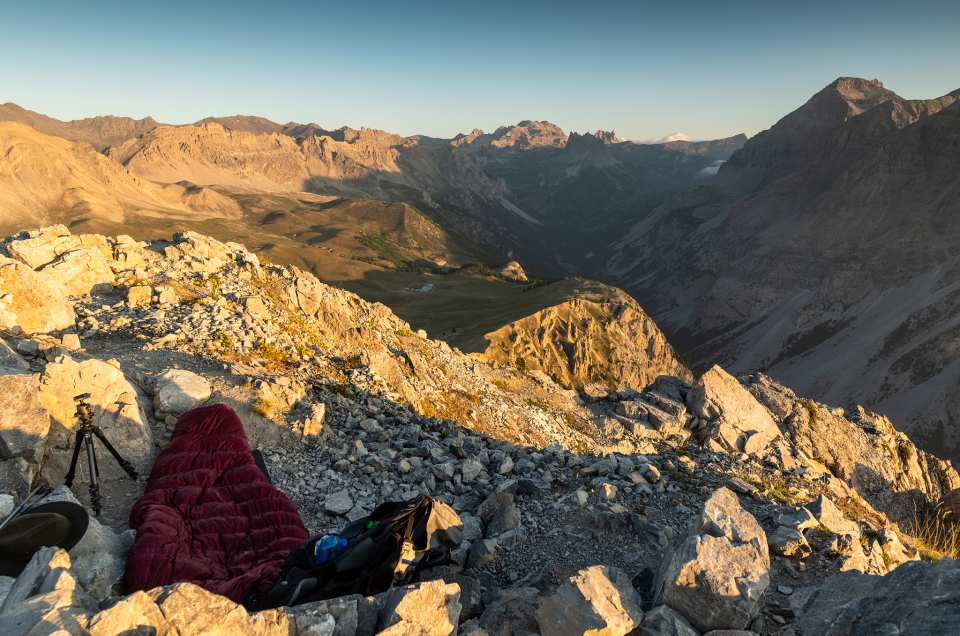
319,233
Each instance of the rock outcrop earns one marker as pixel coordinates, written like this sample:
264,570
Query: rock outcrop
737,421
609,340
917,598
863,449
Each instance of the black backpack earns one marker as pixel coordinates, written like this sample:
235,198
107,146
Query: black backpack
389,547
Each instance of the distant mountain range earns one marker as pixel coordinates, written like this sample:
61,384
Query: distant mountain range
825,250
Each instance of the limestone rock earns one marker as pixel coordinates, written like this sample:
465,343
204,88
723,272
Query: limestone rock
37,303
177,391
45,247
254,306
306,293
24,423
353,615
425,609
510,611
193,611
598,600
167,295
502,520
717,577
719,396
134,614
59,606
339,503
498,500
6,582
313,424
916,598
10,359
862,449
80,271
789,542
470,589
829,516
483,552
139,295
663,621
115,409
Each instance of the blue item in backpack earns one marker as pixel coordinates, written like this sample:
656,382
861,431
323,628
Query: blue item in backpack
328,548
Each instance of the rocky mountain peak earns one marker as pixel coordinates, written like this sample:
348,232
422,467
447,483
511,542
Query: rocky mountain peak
607,137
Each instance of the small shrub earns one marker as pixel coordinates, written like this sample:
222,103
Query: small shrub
906,453
271,352
887,561
500,384
342,390
520,363
263,408
539,403
812,410
225,341
402,333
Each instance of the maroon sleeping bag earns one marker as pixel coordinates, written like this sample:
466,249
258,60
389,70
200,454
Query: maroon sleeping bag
209,515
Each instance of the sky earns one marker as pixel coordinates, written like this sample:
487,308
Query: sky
643,69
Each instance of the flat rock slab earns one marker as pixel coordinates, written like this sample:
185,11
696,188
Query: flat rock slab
177,391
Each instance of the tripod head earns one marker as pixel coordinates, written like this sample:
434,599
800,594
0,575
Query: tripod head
83,414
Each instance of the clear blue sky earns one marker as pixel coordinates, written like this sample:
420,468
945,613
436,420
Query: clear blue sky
644,69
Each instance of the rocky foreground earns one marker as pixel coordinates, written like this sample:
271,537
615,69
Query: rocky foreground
672,508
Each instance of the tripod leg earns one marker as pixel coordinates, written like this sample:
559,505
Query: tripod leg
73,462
124,464
94,484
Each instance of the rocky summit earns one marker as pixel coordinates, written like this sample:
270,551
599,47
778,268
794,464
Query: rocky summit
657,503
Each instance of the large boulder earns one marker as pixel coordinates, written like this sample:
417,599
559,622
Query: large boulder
177,391
33,301
24,423
916,598
80,271
717,577
115,409
598,600
740,418
425,609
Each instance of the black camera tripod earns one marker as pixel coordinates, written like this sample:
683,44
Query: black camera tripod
85,435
